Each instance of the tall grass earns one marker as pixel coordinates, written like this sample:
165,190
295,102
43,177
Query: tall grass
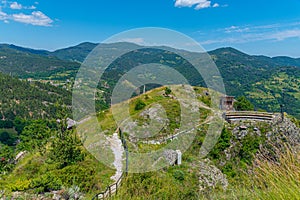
278,180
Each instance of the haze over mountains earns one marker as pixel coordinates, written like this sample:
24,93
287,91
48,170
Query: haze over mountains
262,79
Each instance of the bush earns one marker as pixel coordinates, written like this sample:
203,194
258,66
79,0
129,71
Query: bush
20,185
249,148
139,105
35,135
66,149
6,124
243,104
168,91
46,183
222,144
8,138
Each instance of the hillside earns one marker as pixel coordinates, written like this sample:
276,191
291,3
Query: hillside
262,79
219,175
29,100
28,63
234,169
251,76
77,53
267,82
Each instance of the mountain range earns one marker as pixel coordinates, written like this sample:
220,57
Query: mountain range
267,82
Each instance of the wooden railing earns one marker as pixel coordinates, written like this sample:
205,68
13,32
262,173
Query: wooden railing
113,188
110,190
244,115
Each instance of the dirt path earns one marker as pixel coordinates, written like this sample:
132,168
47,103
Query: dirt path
118,150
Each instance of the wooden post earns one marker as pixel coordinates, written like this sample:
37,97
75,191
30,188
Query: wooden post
117,188
282,106
126,149
282,112
126,161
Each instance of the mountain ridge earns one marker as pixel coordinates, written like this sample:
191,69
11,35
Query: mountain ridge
91,46
262,79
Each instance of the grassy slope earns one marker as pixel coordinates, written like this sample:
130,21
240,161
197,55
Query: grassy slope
178,182
181,182
34,170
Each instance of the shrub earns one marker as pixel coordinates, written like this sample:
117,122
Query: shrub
139,105
20,185
249,148
168,91
46,183
243,104
222,144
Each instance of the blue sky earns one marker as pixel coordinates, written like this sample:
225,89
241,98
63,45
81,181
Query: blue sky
253,26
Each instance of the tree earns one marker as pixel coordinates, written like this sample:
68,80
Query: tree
168,91
35,135
243,104
65,146
6,154
19,124
6,124
66,149
8,138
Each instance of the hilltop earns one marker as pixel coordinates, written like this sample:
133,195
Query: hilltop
230,170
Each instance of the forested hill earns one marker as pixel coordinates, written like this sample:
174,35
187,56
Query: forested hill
80,52
29,100
25,63
262,79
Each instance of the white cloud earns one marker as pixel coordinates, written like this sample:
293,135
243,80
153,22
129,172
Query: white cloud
31,8
202,5
3,15
254,37
16,6
282,35
199,4
36,18
253,33
236,29
216,5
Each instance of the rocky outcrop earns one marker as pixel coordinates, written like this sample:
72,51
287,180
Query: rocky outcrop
284,130
210,176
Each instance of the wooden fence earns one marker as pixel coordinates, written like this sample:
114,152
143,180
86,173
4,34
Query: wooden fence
110,190
113,188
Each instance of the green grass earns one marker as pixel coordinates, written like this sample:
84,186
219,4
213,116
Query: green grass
280,180
268,93
35,174
268,181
